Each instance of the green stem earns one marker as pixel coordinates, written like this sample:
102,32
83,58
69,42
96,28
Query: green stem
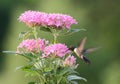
35,32
42,79
55,35
55,38
36,38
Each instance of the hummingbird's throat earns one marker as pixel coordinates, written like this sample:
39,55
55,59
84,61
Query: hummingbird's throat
78,53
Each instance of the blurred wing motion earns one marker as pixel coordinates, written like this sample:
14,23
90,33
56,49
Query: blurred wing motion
81,44
90,50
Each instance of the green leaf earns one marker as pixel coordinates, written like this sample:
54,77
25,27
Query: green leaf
21,35
75,77
30,70
29,56
64,71
28,67
76,30
67,71
31,83
24,35
74,82
71,31
45,29
20,67
9,52
26,55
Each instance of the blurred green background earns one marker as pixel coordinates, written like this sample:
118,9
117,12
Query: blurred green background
101,18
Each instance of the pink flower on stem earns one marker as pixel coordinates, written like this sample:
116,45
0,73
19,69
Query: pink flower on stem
60,21
32,45
55,50
33,18
70,61
57,21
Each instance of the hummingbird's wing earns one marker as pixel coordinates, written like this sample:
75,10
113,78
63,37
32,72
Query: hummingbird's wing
86,60
81,44
87,51
90,50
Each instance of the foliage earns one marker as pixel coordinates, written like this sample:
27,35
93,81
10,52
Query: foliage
51,62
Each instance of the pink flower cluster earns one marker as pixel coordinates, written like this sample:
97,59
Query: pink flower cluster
36,18
70,61
54,50
33,18
60,21
32,45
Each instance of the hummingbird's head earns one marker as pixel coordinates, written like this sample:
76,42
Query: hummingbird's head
72,48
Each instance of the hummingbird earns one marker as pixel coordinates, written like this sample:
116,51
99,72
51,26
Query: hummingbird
81,52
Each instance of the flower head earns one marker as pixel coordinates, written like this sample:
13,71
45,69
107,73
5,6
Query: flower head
56,21
58,50
60,21
70,61
31,45
33,18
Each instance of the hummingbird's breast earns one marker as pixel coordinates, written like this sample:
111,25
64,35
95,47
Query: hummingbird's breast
78,53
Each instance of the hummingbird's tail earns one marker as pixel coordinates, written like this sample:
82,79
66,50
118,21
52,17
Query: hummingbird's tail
86,60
